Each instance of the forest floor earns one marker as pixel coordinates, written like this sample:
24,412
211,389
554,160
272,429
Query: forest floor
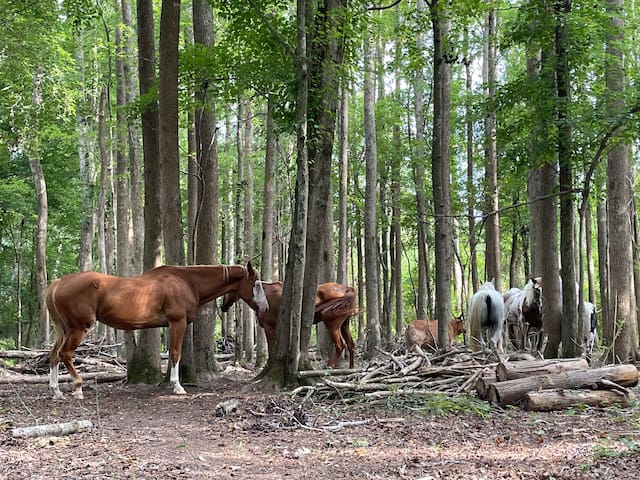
146,432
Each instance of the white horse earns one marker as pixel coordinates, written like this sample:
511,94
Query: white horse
486,312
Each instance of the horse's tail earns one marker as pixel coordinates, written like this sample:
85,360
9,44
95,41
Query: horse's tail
58,322
335,307
495,318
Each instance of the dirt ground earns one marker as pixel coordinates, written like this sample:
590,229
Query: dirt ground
146,432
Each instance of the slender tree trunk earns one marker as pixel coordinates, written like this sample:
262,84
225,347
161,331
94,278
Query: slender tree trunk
373,335
603,270
343,166
441,167
571,339
135,166
492,225
471,189
423,296
85,256
206,248
248,316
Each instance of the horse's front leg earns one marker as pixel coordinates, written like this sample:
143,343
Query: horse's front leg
176,334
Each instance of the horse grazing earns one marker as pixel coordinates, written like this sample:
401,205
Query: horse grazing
165,296
486,312
524,313
334,305
590,326
425,332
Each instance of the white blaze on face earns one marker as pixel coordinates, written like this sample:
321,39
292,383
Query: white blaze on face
259,297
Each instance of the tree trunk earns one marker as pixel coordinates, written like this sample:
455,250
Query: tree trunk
248,318
282,366
492,225
143,359
326,54
206,229
41,245
620,195
373,336
422,300
522,369
135,167
560,399
471,190
603,270
571,340
343,166
85,256
441,166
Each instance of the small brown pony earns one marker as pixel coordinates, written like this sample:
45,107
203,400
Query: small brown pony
335,304
165,296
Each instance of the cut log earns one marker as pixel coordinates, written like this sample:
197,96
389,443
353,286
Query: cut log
483,383
511,392
527,368
56,429
99,377
559,399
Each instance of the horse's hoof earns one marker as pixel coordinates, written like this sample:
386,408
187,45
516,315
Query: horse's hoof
179,391
78,395
58,396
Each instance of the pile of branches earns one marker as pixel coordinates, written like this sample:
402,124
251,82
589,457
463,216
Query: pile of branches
93,361
391,374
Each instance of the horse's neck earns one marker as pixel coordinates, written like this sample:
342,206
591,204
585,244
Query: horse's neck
212,281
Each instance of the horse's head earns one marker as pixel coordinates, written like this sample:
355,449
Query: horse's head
458,325
228,300
251,291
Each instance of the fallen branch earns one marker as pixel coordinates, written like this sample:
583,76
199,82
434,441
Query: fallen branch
99,377
53,429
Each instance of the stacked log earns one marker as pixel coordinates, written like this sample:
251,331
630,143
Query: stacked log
556,384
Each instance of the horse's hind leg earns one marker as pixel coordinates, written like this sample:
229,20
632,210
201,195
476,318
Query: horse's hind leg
336,338
351,345
72,341
54,360
176,334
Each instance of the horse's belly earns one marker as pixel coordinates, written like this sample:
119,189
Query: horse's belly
133,323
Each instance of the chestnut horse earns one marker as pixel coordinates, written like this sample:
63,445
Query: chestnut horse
165,296
335,303
425,332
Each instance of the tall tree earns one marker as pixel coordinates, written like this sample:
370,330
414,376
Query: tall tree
441,164
492,226
571,340
373,335
206,238
620,196
143,355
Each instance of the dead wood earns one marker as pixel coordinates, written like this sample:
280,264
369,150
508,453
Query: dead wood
527,368
558,399
54,429
511,392
99,377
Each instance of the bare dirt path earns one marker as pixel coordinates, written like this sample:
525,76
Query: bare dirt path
146,432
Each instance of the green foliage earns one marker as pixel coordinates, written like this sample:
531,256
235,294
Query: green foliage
440,405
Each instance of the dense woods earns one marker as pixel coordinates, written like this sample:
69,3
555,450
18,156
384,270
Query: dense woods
410,149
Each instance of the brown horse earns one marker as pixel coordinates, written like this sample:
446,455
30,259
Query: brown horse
165,296
335,303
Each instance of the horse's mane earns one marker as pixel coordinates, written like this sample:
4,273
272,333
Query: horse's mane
530,291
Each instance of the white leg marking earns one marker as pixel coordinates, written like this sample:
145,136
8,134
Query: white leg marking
53,383
175,381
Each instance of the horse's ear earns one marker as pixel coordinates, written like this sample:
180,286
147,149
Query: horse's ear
250,269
